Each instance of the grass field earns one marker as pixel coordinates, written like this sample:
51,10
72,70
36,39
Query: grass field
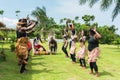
58,67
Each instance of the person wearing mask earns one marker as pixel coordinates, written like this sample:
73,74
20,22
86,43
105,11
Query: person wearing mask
22,34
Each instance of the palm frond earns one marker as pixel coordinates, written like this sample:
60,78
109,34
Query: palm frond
82,2
116,10
105,4
92,2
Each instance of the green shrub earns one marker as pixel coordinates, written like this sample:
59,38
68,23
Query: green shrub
12,47
2,56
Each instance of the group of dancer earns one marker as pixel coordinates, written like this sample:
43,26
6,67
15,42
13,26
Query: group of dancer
93,47
23,46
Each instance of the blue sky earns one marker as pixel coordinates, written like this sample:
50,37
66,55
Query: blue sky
57,9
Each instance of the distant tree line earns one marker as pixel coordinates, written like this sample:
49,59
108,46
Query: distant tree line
47,24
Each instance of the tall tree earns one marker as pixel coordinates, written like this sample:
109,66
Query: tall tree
105,4
88,18
40,13
45,23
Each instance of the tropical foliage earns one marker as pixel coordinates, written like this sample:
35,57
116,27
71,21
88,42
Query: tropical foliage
45,23
88,18
105,4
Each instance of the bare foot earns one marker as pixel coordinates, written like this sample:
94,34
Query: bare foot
91,72
73,62
84,67
97,74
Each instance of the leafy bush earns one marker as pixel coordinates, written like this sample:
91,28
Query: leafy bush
2,56
12,47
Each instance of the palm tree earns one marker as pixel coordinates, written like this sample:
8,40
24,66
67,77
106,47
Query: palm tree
105,4
40,13
42,18
17,12
88,18
1,13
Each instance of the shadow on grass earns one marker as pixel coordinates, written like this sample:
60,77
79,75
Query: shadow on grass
45,70
105,73
40,63
9,69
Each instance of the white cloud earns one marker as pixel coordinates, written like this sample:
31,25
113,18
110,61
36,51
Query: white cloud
10,23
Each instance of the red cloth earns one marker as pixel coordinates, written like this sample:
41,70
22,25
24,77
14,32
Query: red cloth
37,46
29,45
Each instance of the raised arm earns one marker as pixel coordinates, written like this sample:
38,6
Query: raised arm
97,35
73,25
67,27
32,25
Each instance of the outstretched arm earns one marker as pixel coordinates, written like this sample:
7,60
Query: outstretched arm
31,26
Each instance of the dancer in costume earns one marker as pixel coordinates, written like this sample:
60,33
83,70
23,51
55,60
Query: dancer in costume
64,47
73,48
23,45
82,50
81,54
93,47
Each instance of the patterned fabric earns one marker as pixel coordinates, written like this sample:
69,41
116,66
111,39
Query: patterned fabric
81,52
65,43
93,55
73,47
22,48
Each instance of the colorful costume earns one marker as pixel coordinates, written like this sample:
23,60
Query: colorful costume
23,45
72,51
37,46
93,55
81,52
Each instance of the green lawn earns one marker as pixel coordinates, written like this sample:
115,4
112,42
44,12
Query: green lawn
58,67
